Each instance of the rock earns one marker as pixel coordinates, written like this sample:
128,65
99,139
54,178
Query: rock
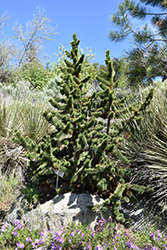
70,207
61,210
16,211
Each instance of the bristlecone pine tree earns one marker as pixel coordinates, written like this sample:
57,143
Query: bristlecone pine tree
85,136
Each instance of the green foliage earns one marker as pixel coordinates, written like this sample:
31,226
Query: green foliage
32,195
147,58
128,9
35,73
85,134
87,67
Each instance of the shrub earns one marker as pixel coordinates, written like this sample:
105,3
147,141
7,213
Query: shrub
146,148
85,135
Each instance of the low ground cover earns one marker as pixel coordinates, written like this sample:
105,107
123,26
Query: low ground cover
104,236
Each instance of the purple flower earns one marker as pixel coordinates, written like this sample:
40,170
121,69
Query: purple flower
58,236
159,235
87,247
53,245
42,219
115,235
131,245
147,247
69,240
154,248
36,243
78,231
80,243
3,226
152,236
93,234
20,245
15,233
72,234
44,233
102,222
98,247
28,239
18,225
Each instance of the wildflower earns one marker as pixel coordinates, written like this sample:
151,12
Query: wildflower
147,247
152,236
159,235
115,235
80,243
93,234
87,247
154,248
78,231
69,240
18,225
44,233
28,239
102,222
98,247
58,236
20,245
42,219
53,245
36,243
15,233
72,234
131,245
3,226
82,235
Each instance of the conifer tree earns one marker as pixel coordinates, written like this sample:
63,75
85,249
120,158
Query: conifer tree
147,58
85,135
129,10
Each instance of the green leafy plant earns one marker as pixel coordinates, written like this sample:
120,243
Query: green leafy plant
32,195
36,74
85,135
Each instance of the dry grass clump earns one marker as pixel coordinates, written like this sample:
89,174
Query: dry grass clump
12,159
12,172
